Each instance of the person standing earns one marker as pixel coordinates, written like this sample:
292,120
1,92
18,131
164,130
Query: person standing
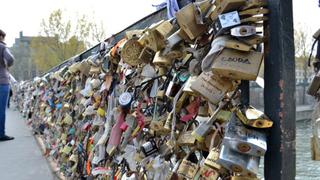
6,60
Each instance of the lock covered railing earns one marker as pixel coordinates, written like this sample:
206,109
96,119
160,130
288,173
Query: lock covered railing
162,102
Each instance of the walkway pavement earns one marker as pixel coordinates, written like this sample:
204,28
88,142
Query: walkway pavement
21,159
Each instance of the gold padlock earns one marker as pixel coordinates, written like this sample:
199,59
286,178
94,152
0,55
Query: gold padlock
238,65
187,21
211,86
186,139
161,61
131,51
187,168
226,6
253,40
255,4
254,118
212,159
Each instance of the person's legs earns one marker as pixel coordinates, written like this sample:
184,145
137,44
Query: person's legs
4,94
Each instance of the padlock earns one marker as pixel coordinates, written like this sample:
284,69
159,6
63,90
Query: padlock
201,8
255,4
208,173
226,6
186,139
211,87
187,21
188,168
226,21
133,33
253,40
146,55
239,163
131,51
253,117
238,65
254,19
244,140
149,148
187,88
161,61
154,36
125,100
253,11
243,31
212,159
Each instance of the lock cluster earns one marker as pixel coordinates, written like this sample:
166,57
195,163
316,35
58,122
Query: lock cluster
161,103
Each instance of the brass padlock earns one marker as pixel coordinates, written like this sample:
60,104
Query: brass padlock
239,163
238,65
186,139
255,4
212,159
131,51
244,140
226,6
253,117
211,87
161,60
187,168
253,40
187,21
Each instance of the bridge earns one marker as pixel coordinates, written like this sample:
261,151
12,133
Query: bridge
304,112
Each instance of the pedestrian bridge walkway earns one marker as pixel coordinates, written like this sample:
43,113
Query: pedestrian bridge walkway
21,159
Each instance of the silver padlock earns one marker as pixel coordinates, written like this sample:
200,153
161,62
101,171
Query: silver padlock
244,140
242,164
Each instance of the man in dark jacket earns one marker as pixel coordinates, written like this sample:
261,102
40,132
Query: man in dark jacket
6,60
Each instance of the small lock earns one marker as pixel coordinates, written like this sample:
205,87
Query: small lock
125,100
244,140
149,148
239,163
186,139
208,173
253,117
212,159
189,166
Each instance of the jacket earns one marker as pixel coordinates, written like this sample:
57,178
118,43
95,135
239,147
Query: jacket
6,60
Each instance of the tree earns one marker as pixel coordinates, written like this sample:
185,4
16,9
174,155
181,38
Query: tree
60,39
302,48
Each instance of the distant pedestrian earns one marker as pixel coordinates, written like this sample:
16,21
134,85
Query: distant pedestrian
6,60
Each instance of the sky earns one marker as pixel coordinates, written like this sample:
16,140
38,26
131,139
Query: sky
26,16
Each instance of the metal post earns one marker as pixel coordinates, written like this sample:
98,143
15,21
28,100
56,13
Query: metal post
245,92
279,91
